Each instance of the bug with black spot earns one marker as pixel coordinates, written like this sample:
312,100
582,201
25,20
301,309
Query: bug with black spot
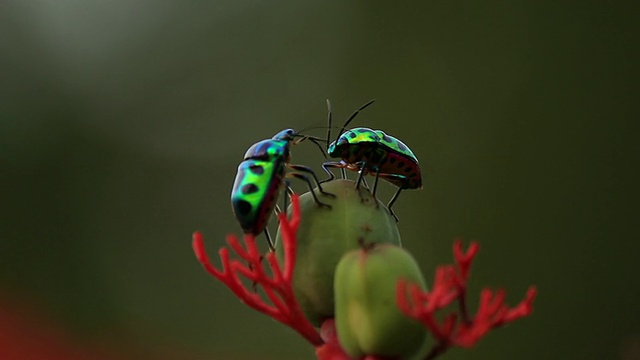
373,152
260,177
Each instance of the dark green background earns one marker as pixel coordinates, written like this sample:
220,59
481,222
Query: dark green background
122,123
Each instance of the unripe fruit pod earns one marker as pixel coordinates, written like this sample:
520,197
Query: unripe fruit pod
325,235
368,320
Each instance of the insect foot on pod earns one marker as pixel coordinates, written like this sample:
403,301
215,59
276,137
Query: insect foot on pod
355,217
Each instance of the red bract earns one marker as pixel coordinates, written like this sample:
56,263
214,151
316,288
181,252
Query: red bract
450,284
282,305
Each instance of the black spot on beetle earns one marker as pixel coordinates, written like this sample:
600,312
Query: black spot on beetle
400,164
243,207
392,160
257,169
249,189
402,146
387,138
352,135
407,169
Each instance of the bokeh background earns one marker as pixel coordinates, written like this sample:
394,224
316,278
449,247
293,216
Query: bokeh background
122,123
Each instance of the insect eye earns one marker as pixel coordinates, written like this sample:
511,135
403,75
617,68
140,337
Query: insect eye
291,134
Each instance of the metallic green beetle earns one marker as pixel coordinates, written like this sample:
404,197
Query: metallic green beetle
260,177
373,152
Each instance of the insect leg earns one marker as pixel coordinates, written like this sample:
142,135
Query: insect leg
313,193
365,182
375,183
362,165
308,170
393,200
395,196
328,165
272,246
288,193
361,173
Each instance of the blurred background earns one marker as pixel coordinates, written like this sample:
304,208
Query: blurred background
122,124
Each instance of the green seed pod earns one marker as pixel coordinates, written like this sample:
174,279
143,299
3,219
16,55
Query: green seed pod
368,320
325,235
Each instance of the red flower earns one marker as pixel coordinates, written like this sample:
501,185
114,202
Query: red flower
282,305
450,284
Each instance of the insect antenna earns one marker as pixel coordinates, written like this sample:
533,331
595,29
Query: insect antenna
317,127
329,122
355,113
315,141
